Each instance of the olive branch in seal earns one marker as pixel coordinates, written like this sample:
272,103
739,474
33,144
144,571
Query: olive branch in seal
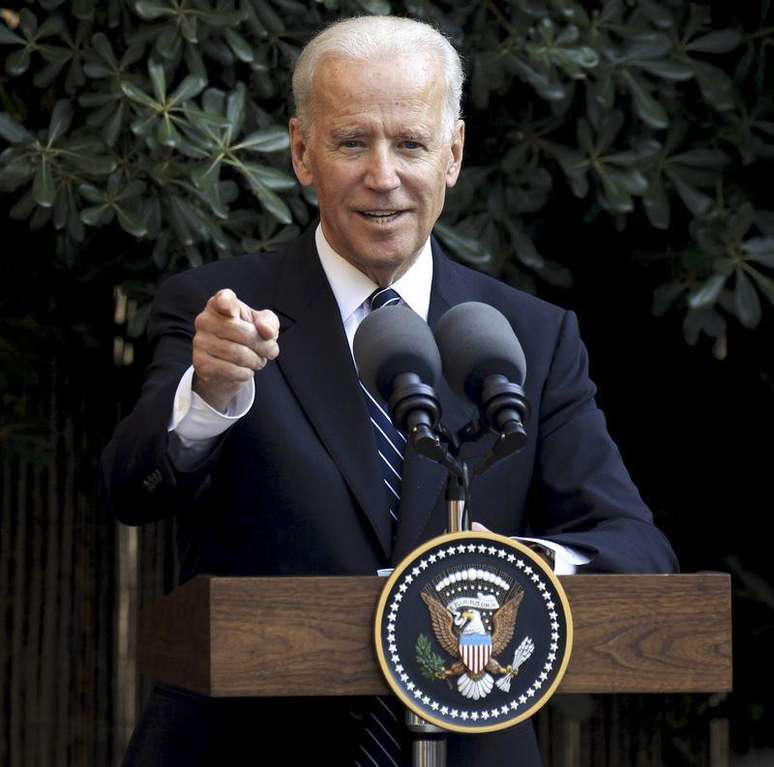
430,663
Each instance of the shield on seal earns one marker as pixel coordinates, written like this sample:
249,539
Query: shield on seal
475,650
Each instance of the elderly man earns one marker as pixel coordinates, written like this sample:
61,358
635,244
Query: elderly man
254,430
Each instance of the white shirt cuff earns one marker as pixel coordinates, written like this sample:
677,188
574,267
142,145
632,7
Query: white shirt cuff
193,419
566,559
197,425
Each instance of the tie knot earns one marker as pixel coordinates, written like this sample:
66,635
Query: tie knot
383,297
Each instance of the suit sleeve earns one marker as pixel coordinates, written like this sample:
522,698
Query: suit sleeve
138,481
585,496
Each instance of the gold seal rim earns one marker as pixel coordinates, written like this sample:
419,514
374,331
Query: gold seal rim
398,572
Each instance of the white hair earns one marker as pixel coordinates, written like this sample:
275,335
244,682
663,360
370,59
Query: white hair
370,37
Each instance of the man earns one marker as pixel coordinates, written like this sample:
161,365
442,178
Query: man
252,426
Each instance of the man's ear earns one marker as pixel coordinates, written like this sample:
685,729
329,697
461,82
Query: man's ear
299,152
455,154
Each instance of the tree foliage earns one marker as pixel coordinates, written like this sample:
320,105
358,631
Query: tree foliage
166,129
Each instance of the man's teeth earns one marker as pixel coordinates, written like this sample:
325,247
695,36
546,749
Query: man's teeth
380,214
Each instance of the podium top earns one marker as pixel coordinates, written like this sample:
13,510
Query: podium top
313,636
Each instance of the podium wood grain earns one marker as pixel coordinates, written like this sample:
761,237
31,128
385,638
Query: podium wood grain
313,636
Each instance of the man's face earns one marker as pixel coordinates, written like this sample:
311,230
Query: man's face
379,157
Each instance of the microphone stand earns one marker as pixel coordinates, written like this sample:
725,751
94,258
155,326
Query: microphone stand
428,747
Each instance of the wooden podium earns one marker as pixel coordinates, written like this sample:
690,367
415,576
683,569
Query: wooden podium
226,637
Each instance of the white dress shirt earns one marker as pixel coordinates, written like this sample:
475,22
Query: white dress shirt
197,425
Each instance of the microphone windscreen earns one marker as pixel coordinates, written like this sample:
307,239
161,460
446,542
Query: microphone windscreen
475,341
394,340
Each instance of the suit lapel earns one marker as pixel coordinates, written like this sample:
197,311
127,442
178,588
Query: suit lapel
423,480
316,362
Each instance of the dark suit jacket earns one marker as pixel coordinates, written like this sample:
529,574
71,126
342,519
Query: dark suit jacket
290,488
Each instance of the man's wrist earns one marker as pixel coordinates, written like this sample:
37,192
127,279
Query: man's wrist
215,396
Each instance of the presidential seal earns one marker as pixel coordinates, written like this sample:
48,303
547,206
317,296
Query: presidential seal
473,632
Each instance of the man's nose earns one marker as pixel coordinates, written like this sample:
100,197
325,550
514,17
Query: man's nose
382,173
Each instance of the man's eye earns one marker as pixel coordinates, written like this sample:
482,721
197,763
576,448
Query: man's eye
411,145
351,143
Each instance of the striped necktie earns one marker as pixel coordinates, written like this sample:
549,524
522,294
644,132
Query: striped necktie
382,742
390,443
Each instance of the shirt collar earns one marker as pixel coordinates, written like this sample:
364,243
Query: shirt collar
351,287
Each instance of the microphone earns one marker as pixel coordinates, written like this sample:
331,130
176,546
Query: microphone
483,362
398,360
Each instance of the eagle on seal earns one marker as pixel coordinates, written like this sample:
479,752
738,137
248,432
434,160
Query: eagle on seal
463,636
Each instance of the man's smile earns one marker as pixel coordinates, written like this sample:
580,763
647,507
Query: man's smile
381,216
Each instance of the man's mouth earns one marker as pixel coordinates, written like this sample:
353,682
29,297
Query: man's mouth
380,215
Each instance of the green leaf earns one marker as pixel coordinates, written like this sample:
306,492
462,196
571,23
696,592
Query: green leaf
648,45
467,248
151,10
656,205
667,69
168,43
92,194
241,48
614,195
747,305
235,110
664,297
265,140
9,37
156,72
204,120
707,293
166,133
376,7
765,284
191,216
130,222
697,202
269,17
660,16
11,130
28,22
208,174
647,108
14,174
221,18
43,188
99,215
191,87
113,126
274,179
720,41
55,54
703,158
61,118
760,250
102,46
707,320
138,96
92,164
18,62
271,202
716,87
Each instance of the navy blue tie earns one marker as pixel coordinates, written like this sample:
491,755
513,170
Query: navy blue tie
390,443
382,741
